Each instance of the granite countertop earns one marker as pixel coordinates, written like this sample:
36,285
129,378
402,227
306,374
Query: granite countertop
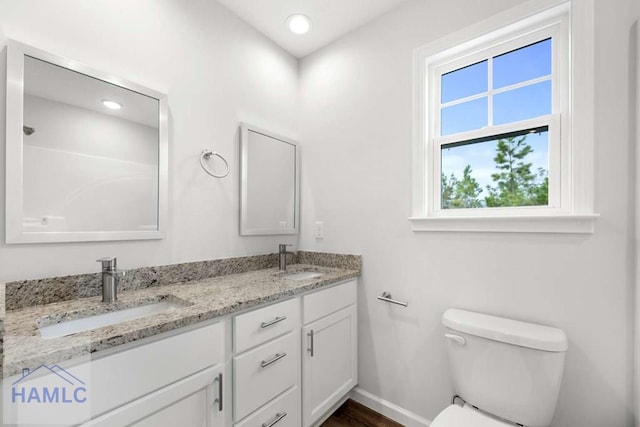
2,316
203,299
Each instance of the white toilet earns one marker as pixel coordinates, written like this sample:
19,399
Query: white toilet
507,372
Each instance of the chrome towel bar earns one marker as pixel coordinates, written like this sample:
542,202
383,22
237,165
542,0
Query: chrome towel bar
386,296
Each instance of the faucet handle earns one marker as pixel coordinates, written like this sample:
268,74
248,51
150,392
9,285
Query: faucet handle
283,247
108,262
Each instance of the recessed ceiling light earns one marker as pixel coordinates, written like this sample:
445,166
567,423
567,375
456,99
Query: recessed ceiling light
112,105
299,23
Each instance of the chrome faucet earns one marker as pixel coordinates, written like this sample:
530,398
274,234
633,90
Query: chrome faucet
282,257
110,276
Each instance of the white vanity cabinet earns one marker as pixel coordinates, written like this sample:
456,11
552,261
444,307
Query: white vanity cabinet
316,335
178,380
330,349
282,365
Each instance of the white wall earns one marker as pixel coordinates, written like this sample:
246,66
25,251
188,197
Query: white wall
217,72
356,121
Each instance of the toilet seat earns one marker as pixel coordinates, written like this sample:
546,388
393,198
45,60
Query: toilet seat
459,416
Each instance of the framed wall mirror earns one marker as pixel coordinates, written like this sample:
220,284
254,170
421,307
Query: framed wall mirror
86,153
269,183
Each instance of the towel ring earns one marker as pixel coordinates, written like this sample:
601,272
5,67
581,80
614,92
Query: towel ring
206,155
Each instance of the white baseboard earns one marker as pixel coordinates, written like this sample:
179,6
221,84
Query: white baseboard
388,409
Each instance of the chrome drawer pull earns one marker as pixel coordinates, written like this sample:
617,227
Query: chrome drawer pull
273,322
279,416
277,357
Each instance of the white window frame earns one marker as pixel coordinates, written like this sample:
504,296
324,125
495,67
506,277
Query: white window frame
570,208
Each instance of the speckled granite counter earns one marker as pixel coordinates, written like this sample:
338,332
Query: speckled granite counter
2,315
204,299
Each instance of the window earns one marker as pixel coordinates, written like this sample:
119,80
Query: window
494,134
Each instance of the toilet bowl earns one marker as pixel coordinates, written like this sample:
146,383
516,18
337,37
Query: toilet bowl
466,416
506,371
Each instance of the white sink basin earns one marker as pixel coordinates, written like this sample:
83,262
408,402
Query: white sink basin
303,275
106,319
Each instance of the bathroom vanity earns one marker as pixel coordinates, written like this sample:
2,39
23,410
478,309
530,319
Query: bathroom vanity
262,348
213,343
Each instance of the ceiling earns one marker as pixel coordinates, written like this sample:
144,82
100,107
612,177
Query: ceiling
331,19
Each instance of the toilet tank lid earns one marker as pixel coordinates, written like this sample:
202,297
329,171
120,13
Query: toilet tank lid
509,331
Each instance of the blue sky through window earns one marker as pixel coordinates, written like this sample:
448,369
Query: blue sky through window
463,117
527,63
464,82
524,103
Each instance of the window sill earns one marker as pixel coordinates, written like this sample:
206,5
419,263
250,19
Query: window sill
561,223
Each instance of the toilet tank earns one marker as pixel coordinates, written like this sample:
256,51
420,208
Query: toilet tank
505,367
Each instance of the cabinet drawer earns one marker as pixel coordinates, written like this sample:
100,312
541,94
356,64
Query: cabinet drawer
259,326
327,301
264,372
282,412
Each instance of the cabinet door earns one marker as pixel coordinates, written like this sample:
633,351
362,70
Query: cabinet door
191,402
330,365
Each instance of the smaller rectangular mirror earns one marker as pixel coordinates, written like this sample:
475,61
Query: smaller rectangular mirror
86,153
269,183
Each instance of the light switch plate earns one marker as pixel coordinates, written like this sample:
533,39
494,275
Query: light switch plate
319,230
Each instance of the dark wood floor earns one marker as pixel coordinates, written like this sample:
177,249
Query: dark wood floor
353,414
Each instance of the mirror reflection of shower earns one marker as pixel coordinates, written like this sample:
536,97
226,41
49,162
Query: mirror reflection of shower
28,130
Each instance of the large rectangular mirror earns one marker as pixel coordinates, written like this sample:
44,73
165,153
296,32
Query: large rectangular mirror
270,183
86,153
